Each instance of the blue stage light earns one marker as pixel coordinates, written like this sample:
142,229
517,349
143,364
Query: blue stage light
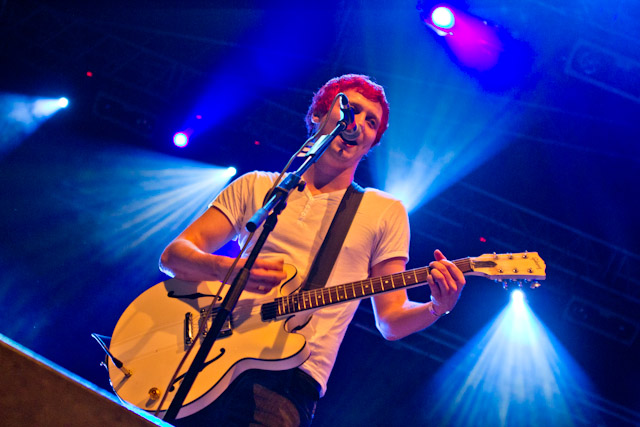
443,17
231,171
517,299
180,139
63,102
21,115
514,372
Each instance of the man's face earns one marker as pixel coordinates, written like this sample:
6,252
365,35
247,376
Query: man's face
367,116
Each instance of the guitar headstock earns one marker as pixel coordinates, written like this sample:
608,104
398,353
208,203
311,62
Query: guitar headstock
526,266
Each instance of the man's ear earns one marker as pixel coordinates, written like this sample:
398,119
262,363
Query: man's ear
315,119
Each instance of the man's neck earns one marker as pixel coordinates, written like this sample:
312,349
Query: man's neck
321,181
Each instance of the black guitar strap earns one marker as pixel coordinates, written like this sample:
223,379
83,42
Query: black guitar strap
328,252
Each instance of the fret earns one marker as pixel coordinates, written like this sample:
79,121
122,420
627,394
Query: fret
378,289
414,275
404,282
367,285
407,278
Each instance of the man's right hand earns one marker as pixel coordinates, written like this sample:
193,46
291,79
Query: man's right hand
265,274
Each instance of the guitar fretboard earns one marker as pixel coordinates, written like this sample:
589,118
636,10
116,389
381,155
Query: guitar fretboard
316,298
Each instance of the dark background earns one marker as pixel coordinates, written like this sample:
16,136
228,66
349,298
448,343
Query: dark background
565,182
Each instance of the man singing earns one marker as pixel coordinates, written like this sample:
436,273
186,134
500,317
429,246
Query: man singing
377,244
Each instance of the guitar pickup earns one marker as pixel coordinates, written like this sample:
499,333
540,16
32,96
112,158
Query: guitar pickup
205,325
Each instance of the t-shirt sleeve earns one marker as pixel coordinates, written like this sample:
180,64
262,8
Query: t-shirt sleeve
394,236
235,200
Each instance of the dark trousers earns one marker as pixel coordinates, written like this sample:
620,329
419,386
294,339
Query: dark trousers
261,398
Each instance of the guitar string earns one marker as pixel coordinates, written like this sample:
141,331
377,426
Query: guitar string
297,302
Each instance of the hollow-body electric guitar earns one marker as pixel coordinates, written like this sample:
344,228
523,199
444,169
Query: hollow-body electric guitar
154,332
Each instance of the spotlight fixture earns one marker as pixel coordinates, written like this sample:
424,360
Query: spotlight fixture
442,17
180,139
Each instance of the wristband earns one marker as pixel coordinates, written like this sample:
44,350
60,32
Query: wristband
433,311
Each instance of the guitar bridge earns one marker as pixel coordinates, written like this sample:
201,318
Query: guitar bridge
188,329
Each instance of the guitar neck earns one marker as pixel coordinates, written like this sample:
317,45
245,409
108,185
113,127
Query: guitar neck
317,298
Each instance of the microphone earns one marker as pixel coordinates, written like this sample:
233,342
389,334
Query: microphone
352,131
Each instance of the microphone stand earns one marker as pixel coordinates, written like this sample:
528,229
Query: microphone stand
268,215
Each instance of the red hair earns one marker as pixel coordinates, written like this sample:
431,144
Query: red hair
363,84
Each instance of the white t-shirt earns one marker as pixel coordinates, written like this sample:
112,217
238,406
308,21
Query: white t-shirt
380,231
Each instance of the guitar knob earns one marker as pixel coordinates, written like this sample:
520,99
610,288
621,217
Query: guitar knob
154,393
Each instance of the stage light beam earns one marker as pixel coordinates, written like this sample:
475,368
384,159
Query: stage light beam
514,372
21,115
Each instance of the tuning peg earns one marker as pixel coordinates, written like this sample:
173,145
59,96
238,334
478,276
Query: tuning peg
525,254
510,256
535,285
495,255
